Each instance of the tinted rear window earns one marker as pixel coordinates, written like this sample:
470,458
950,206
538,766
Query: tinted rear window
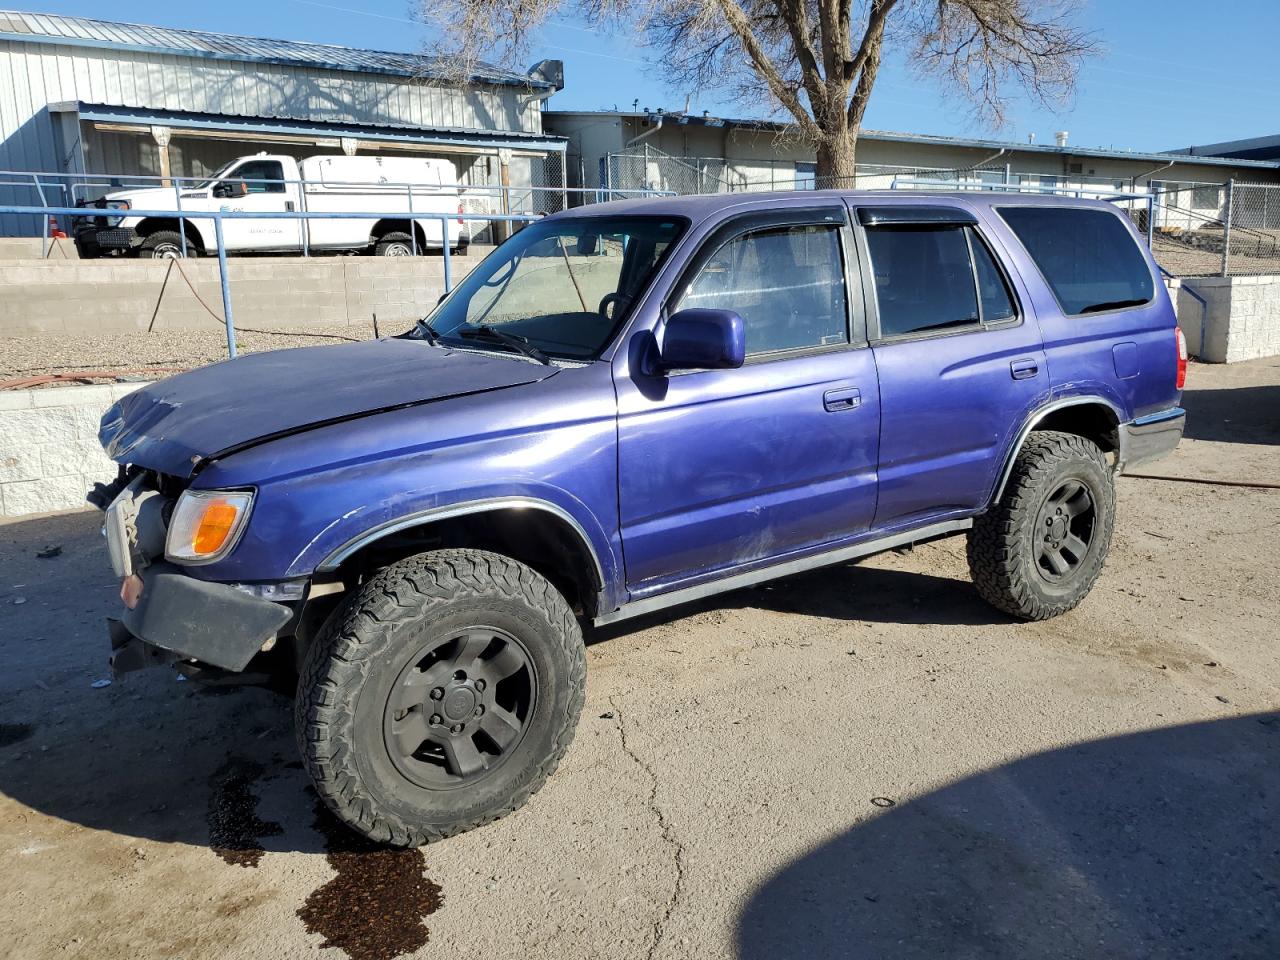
1088,257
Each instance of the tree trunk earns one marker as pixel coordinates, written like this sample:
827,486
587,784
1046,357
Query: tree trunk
836,161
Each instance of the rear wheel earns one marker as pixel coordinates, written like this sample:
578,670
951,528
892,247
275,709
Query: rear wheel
1039,551
164,245
395,245
440,696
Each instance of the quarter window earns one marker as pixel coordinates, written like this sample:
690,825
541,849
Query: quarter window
787,284
935,278
1089,259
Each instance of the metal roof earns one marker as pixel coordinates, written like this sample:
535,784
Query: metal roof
395,132
81,31
888,136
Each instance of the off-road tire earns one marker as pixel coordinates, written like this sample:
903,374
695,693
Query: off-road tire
1002,547
389,243
162,239
343,684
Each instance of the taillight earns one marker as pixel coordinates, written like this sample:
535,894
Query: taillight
459,211
1182,357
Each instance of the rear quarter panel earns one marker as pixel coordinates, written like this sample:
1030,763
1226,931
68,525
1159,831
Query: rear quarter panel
1127,356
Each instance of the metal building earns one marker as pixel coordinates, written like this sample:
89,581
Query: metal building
93,96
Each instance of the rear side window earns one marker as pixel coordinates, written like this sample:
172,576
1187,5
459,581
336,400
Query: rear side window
1088,257
786,283
935,278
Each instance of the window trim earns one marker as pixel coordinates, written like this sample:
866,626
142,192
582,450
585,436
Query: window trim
835,217
1109,211
873,297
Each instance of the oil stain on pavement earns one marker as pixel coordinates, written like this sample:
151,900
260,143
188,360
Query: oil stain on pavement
374,908
235,829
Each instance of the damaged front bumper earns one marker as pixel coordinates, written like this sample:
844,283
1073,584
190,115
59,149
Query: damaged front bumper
178,617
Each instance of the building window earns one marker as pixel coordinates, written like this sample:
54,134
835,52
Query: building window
806,176
1206,197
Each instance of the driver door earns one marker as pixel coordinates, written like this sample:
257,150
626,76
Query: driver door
258,186
721,469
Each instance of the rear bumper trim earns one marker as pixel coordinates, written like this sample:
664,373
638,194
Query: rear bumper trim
1152,437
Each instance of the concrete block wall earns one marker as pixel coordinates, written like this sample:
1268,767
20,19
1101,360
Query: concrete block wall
94,297
49,451
1239,321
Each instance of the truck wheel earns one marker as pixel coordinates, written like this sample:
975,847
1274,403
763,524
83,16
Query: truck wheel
1038,552
164,245
440,695
395,245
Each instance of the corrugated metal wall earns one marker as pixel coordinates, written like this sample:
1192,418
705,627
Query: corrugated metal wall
33,75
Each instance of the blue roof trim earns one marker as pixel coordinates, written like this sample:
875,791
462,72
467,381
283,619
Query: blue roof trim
457,136
21,27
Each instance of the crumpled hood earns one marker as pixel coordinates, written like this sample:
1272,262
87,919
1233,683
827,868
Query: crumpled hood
175,425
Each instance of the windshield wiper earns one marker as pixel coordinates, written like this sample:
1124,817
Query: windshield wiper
521,344
427,331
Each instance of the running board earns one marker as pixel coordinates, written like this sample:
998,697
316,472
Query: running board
637,608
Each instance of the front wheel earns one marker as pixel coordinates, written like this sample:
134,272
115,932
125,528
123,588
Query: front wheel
164,245
440,696
1039,551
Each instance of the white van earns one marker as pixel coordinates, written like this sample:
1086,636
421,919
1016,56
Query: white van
398,190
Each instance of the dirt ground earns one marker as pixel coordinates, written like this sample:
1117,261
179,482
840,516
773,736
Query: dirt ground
863,761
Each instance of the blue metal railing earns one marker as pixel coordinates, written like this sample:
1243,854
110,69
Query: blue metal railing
218,216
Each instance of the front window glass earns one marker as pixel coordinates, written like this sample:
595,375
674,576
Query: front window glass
261,176
787,284
561,285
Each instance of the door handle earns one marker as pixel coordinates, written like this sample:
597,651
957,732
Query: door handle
288,206
1023,369
845,398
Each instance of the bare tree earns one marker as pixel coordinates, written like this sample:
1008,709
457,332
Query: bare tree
814,59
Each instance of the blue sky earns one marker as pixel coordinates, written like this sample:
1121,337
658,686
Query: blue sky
1174,73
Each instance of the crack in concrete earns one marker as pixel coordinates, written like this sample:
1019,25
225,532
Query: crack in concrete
664,826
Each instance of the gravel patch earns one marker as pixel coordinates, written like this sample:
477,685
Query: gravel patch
133,352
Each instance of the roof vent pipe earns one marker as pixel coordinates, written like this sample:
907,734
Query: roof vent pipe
1031,138
1061,138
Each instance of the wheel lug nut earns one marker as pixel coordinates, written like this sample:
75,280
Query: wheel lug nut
456,728
479,711
437,693
480,685
435,720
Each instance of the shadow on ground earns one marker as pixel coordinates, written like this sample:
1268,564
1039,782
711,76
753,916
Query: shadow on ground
1159,844
1240,415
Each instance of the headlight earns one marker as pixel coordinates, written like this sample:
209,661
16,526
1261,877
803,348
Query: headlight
206,524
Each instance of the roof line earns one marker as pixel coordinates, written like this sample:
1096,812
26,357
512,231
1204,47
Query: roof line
42,34
934,139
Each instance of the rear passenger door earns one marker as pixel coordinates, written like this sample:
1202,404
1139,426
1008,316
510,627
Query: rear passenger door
722,468
961,363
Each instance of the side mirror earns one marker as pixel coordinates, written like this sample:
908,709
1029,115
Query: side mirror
697,339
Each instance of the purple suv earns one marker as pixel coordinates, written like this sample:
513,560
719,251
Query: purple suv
626,407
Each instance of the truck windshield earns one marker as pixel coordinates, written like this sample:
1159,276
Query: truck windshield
216,175
563,286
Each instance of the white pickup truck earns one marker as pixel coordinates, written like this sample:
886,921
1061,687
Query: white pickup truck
398,189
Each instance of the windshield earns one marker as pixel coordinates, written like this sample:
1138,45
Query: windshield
217,174
563,286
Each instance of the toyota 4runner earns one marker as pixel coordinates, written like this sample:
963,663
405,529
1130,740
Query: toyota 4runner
626,407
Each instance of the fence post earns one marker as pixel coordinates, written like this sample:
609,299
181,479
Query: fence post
182,224
226,288
1226,228
413,234
1151,216
448,270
